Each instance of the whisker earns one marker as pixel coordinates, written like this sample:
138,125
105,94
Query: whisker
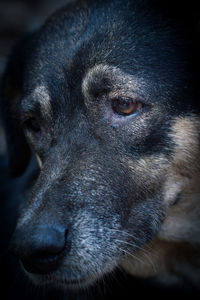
134,246
144,252
131,236
132,255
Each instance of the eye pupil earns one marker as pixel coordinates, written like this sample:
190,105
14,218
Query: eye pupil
32,124
125,106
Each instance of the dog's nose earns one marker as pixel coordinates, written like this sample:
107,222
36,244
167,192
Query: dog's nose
40,248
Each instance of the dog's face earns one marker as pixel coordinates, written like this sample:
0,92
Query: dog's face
106,101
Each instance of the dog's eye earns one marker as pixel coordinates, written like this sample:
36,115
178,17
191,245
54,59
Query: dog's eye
125,106
31,124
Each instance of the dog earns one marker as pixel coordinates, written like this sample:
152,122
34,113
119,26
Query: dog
105,95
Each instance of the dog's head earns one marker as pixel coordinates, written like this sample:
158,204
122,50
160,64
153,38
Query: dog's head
104,95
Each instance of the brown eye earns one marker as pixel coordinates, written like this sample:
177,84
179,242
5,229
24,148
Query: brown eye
125,106
31,124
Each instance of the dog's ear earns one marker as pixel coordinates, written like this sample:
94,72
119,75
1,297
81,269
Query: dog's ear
11,93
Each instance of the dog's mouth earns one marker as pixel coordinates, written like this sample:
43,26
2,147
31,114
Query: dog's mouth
59,280
64,280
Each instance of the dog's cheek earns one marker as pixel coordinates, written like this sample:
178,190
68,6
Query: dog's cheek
184,167
148,174
180,175
182,189
147,209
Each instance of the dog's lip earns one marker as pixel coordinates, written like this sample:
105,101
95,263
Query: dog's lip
69,283
74,282
58,279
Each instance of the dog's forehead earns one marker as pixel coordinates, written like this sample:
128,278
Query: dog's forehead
86,36
74,47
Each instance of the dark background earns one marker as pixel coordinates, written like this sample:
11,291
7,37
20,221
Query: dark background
16,18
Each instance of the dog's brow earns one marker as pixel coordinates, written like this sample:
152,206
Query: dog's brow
97,79
41,94
104,79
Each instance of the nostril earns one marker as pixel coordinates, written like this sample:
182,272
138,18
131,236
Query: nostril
42,263
46,255
42,251
40,267
51,253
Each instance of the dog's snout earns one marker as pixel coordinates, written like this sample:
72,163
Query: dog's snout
40,248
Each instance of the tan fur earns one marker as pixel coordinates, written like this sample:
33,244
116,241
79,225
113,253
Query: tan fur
39,161
175,252
183,176
113,79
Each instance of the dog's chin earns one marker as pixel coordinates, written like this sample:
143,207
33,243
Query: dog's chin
63,281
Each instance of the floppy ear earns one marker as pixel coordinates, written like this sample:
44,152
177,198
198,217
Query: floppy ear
12,82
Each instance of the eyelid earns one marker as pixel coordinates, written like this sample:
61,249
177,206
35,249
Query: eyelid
126,93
